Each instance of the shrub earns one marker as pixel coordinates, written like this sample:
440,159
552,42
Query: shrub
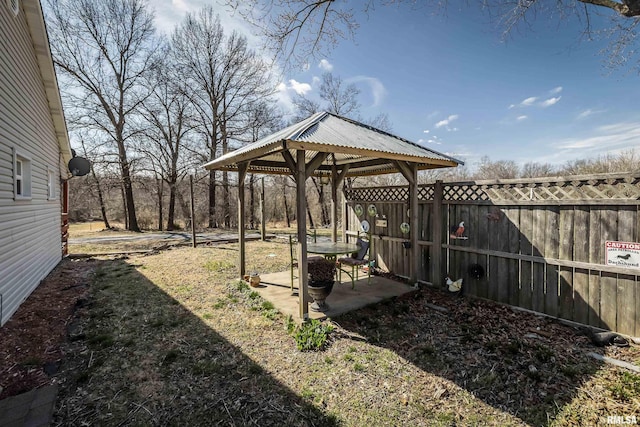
312,336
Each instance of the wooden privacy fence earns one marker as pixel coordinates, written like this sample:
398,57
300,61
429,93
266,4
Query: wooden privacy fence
540,242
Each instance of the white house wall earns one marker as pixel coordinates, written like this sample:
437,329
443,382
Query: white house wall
30,240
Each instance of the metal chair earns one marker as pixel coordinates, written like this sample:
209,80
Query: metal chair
355,261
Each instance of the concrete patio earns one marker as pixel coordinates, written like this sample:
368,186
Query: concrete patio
276,288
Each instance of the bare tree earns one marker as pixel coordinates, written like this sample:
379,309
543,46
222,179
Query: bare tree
626,161
535,169
341,99
499,169
297,30
262,118
381,121
166,112
223,76
304,107
97,180
103,49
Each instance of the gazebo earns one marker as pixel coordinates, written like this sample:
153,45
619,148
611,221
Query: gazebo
332,147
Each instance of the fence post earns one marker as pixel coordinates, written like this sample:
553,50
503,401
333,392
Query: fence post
436,233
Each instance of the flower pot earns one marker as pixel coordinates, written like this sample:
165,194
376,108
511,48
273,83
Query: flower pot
319,291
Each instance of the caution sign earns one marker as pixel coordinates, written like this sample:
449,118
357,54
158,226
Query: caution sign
622,254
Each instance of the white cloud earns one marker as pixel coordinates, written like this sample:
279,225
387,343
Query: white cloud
588,112
426,131
529,101
325,65
433,115
315,81
446,121
555,90
512,106
433,140
610,139
306,66
169,13
521,118
549,102
378,91
299,88
285,92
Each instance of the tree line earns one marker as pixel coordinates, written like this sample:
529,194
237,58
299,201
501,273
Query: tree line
144,105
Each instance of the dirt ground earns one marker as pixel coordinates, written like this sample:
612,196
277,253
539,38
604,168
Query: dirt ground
31,350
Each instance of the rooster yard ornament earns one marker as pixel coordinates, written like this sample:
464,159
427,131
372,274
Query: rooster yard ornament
453,286
457,231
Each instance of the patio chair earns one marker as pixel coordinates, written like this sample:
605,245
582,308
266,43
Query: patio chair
355,261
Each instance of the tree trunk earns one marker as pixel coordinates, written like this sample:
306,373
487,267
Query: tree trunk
172,207
186,210
286,205
212,199
160,191
324,212
124,206
311,224
103,209
132,219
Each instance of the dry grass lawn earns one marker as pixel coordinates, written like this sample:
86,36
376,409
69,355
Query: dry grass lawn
172,339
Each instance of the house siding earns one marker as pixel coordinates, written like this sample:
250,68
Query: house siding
30,241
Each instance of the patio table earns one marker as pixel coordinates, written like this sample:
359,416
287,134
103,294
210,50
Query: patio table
331,250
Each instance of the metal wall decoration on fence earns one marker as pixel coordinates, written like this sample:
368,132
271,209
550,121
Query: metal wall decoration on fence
540,242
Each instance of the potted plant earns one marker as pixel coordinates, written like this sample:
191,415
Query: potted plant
321,279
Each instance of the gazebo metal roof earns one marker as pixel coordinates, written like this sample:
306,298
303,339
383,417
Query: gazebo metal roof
367,150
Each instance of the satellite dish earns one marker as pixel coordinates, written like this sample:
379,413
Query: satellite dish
79,166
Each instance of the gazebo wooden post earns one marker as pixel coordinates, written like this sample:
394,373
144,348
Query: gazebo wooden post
242,173
334,204
263,226
410,173
336,180
301,219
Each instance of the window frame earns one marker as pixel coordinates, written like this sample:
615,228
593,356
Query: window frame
52,194
25,176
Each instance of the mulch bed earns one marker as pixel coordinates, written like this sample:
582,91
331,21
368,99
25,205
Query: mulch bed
32,339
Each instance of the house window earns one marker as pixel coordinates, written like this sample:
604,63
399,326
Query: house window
51,184
14,5
21,176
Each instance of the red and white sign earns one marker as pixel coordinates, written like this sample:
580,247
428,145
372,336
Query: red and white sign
622,254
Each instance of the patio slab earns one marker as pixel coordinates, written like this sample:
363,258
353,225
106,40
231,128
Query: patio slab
276,288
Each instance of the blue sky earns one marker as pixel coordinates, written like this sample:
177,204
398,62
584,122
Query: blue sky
450,83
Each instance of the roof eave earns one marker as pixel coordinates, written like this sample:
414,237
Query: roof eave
38,30
233,158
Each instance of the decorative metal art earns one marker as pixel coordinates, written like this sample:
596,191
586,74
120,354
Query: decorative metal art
372,210
405,228
358,209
